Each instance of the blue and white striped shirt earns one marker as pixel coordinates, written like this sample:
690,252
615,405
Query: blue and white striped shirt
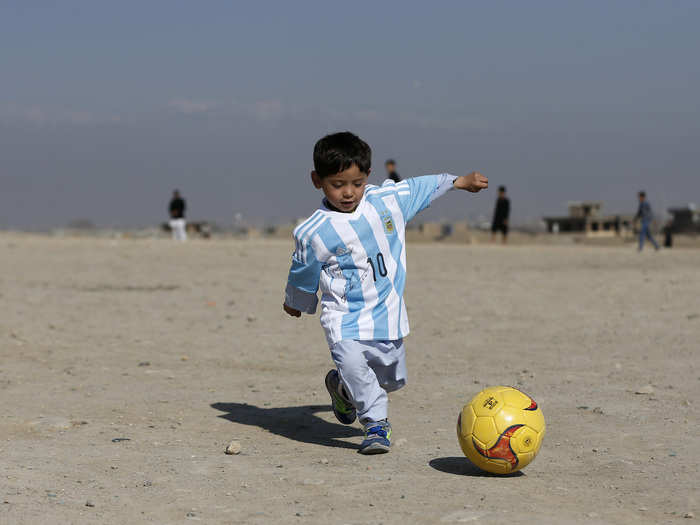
358,260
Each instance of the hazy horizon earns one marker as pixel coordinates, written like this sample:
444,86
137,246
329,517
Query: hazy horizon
105,109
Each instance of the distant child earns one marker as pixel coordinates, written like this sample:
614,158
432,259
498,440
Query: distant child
501,213
391,173
353,249
645,216
177,223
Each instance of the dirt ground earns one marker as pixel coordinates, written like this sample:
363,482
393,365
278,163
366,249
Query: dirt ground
127,366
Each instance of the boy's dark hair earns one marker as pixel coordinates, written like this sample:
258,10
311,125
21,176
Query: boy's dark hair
389,161
642,193
502,188
339,151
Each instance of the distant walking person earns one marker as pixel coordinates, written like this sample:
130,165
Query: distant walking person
645,215
391,172
177,217
500,215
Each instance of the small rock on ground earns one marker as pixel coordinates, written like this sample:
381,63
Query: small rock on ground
233,448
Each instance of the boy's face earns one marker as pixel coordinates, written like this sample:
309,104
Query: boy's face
343,190
390,167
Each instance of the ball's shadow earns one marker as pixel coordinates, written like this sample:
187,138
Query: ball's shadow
461,466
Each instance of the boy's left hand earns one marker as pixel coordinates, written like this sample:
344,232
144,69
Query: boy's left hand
473,182
291,311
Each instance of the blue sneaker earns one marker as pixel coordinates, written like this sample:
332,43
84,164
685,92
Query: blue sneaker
377,437
342,406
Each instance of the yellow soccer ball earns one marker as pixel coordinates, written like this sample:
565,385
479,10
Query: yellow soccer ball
501,429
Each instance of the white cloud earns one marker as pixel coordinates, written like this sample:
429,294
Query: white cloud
79,117
267,110
189,106
49,116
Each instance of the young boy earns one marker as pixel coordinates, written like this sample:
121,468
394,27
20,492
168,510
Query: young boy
353,248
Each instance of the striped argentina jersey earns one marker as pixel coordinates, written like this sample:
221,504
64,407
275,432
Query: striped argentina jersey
358,260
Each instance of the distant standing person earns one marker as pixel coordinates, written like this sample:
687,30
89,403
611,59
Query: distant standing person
645,216
500,215
177,217
391,172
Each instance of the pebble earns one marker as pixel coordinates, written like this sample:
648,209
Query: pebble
233,448
145,363
51,423
251,318
689,515
461,516
89,503
598,410
324,461
648,389
313,481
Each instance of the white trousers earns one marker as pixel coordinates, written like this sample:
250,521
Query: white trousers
368,370
178,227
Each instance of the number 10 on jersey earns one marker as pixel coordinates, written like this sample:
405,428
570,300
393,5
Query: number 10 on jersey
381,266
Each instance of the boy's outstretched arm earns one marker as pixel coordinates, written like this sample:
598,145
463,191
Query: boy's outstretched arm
473,182
417,193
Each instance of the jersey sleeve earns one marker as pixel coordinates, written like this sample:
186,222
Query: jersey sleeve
302,283
417,193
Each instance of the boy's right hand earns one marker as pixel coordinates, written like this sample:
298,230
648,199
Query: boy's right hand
291,311
474,182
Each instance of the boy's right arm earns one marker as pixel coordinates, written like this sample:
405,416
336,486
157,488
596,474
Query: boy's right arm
302,283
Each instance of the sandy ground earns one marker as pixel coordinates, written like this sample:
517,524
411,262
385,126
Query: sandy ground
127,366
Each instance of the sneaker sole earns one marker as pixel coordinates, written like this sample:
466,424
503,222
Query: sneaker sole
338,415
374,448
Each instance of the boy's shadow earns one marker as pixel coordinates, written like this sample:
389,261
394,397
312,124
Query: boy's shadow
463,467
297,423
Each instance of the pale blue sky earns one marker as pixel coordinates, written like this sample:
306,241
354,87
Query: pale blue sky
105,107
